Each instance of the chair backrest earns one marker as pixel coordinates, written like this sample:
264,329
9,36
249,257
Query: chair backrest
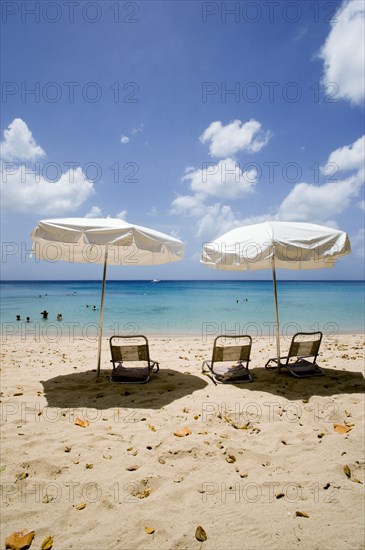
305,344
129,348
224,351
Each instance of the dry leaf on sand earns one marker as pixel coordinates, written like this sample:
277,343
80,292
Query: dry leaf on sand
149,530
301,514
183,432
347,470
81,506
82,423
200,534
341,428
47,543
19,540
230,459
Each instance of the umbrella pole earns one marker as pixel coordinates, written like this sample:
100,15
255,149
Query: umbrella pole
101,312
276,314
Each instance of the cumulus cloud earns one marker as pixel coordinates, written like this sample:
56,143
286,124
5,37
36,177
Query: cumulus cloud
124,139
358,243
25,189
319,203
19,144
343,52
95,212
235,136
224,179
348,157
220,218
188,205
121,215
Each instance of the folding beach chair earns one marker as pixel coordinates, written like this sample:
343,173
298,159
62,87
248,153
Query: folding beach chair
301,360
227,349
133,350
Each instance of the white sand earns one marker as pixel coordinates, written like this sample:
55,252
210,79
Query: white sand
288,449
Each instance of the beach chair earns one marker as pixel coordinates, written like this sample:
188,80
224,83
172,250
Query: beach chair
133,350
301,360
225,350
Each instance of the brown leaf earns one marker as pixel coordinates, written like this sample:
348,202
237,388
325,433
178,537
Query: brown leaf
356,480
301,514
152,428
149,530
183,432
200,534
81,506
347,470
230,459
47,543
81,423
67,449
341,428
19,540
89,466
280,495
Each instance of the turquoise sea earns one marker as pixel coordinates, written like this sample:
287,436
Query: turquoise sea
181,307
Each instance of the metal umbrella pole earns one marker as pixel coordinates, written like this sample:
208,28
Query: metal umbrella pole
276,313
102,312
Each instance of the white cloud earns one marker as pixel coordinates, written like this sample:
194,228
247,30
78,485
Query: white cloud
361,205
224,180
317,204
19,144
220,218
235,136
124,139
121,215
95,212
188,205
25,189
358,243
348,157
137,130
343,52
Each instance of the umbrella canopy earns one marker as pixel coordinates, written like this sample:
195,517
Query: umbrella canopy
104,241
288,245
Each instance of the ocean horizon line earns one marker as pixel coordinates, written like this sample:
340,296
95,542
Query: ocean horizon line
182,280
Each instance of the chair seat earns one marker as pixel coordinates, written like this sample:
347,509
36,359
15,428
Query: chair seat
125,375
304,369
227,374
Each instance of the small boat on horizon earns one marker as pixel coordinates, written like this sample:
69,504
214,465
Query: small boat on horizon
155,281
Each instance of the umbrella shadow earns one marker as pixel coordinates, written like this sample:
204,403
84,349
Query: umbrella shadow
334,382
82,390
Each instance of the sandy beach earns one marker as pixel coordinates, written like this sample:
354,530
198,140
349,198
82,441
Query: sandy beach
96,465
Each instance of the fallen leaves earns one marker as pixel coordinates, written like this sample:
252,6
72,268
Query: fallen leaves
47,543
200,534
149,530
81,506
19,540
81,423
347,471
341,428
230,459
301,514
183,432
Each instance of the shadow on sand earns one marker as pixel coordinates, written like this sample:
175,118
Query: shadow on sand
82,390
335,382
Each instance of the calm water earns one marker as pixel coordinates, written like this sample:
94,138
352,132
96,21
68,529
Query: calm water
183,307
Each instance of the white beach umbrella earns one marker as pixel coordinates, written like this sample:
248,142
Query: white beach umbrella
274,244
105,241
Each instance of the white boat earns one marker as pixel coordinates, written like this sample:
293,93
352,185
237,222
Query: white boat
155,281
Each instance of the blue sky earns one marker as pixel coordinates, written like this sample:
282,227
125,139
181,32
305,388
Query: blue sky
188,117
